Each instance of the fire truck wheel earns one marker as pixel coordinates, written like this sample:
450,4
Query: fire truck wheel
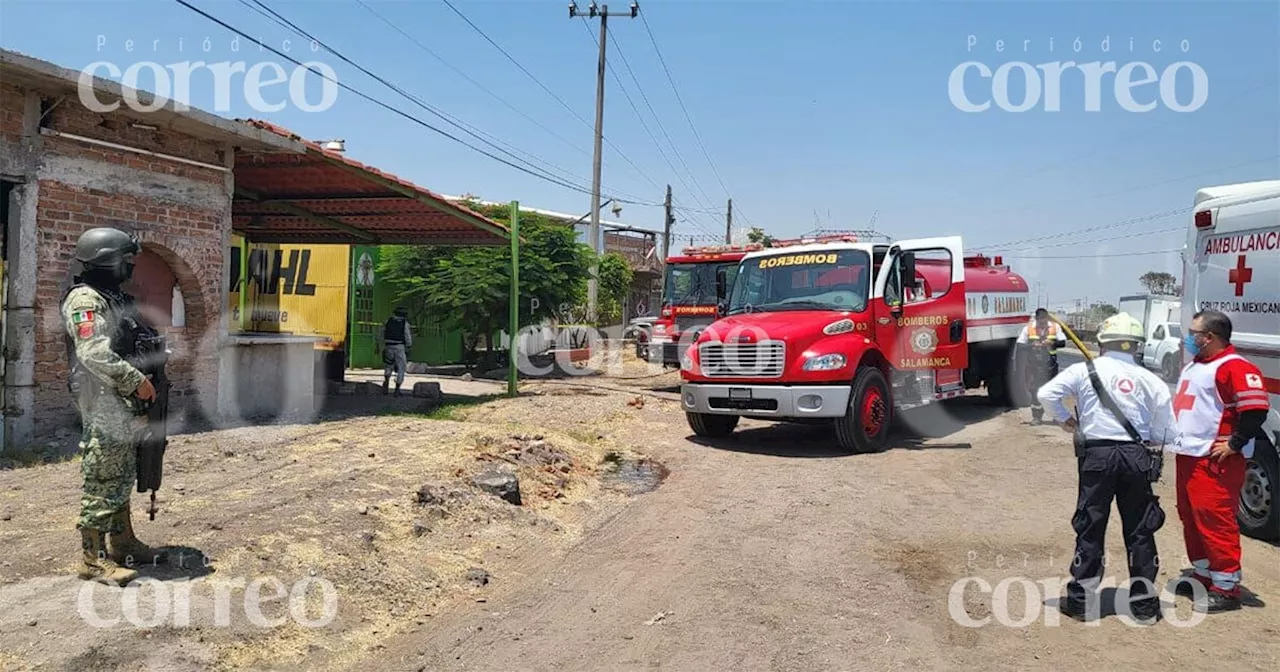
1259,512
711,425
998,390
865,426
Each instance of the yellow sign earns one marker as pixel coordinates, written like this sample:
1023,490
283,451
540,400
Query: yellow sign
695,310
926,363
293,289
924,321
798,260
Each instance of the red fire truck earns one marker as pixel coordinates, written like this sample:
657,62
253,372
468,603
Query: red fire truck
849,332
696,282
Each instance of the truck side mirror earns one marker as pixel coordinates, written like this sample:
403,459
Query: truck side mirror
907,269
722,308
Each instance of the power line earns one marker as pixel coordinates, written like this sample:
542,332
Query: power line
661,127
391,24
676,90
480,135
640,117
1143,187
1095,256
391,108
1067,234
1096,240
565,105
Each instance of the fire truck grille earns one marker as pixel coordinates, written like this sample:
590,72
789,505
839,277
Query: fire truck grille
685,323
743,360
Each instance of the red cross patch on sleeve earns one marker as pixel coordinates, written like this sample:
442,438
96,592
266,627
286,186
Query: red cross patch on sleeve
85,330
1253,380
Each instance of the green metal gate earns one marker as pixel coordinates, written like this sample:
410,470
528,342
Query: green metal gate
372,303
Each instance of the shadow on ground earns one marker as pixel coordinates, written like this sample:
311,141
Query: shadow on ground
917,429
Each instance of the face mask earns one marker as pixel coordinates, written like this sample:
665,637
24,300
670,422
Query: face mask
1189,341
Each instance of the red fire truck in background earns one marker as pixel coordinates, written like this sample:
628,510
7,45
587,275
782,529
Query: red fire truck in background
849,332
696,282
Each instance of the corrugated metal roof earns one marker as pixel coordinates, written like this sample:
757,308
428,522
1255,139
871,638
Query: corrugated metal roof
324,196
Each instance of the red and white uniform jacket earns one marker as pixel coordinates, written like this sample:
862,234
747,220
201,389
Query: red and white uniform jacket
1211,395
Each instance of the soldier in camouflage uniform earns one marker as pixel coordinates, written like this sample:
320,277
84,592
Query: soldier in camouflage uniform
105,385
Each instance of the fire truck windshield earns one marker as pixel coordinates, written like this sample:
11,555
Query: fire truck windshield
834,280
698,284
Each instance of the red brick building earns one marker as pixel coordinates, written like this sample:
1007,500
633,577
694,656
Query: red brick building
181,180
165,175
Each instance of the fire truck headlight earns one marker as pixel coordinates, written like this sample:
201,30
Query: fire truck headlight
832,362
686,362
659,328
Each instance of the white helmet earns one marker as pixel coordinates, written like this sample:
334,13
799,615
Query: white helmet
1123,328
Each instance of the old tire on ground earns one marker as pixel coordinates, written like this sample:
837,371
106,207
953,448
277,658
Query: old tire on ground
865,425
1259,512
711,425
1169,368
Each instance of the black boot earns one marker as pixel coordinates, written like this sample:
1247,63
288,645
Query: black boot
397,389
1073,609
386,382
1217,603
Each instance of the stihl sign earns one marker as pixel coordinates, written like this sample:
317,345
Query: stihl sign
267,272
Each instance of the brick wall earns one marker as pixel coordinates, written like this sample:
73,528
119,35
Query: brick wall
187,233
11,110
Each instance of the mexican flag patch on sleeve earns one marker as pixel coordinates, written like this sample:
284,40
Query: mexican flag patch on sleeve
83,320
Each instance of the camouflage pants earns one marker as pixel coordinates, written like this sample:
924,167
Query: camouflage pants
108,463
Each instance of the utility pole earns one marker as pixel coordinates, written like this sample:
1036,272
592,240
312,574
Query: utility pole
593,237
669,221
728,224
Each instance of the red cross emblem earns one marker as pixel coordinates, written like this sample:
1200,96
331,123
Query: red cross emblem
1240,275
1125,386
1183,401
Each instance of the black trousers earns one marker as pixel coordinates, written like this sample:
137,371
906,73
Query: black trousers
1043,368
1116,471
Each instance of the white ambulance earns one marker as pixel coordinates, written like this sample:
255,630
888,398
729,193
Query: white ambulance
1232,264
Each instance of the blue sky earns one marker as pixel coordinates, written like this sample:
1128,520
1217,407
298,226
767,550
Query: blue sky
811,112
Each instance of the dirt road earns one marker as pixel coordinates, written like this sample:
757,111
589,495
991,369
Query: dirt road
771,552
766,551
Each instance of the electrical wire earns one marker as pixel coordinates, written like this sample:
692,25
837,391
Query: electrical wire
391,108
391,24
1068,234
483,137
661,127
676,90
658,144
560,100
1094,256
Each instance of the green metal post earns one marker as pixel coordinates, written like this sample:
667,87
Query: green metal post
513,327
244,282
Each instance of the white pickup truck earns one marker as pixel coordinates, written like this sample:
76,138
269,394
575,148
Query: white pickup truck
1160,317
1162,352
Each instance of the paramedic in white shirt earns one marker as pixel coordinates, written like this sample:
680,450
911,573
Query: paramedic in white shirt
1112,465
1038,345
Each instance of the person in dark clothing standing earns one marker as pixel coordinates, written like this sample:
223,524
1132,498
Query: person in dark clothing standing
397,338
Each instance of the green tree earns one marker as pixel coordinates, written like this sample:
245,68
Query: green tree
468,287
614,286
757,235
1159,282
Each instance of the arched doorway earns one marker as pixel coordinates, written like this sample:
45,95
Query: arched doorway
156,289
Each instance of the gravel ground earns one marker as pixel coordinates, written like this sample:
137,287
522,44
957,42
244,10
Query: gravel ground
769,550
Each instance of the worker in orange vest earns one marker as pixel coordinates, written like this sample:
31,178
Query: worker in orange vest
1038,344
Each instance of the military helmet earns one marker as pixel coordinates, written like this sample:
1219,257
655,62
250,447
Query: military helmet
105,247
1121,327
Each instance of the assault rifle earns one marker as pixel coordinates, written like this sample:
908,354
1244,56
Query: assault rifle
146,349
